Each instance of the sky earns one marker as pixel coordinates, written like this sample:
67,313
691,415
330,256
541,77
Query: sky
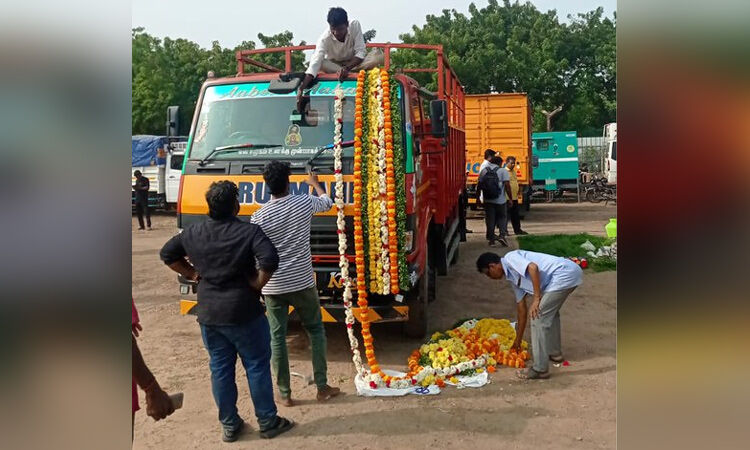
232,21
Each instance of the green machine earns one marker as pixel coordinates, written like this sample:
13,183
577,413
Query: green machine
555,160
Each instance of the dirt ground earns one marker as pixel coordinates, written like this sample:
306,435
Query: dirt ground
574,408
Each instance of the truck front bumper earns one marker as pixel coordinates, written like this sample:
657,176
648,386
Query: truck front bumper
333,312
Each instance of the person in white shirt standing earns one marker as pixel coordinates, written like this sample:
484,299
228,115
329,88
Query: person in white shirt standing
340,49
286,220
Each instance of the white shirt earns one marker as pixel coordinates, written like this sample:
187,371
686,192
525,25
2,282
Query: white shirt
328,47
555,273
286,221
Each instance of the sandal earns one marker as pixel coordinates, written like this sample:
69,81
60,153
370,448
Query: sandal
282,426
557,359
531,374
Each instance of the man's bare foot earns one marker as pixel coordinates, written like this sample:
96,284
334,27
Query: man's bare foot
287,401
327,393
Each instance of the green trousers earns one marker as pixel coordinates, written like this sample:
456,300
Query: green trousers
307,305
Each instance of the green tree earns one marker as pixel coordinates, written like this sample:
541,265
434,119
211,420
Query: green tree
514,47
369,35
171,72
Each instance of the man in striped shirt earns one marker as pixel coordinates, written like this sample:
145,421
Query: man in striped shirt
286,220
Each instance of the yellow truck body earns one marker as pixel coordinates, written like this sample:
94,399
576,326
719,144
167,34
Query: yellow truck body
501,122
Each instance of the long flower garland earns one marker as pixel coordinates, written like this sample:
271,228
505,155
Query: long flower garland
341,228
400,194
379,221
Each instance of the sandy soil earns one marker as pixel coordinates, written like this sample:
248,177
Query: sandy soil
574,408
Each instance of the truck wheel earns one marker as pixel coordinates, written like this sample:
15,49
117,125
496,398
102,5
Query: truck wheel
431,283
592,196
416,300
454,260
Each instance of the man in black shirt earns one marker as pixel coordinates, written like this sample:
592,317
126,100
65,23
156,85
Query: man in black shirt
141,187
223,251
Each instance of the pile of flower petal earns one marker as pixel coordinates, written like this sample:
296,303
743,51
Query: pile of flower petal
485,340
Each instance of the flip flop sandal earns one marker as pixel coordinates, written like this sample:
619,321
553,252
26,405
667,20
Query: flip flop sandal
282,426
531,374
557,359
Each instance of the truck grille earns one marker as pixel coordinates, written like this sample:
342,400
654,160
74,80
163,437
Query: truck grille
324,238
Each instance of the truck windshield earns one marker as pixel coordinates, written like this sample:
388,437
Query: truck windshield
249,114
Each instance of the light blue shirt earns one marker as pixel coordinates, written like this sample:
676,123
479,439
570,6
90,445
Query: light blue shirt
555,273
502,177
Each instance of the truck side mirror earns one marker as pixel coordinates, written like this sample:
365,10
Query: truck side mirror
173,121
438,117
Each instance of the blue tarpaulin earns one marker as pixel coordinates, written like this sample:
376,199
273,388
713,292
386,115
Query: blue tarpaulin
149,150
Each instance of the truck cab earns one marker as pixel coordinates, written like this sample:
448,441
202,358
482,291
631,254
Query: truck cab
244,121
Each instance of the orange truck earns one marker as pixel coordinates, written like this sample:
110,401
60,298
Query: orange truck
241,122
501,122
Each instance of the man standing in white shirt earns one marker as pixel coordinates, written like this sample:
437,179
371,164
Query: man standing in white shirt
488,155
340,49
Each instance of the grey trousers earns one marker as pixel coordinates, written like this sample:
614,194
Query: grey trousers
545,330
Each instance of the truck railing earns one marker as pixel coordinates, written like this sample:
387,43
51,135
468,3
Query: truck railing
448,85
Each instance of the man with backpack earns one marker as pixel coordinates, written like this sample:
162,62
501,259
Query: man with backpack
494,182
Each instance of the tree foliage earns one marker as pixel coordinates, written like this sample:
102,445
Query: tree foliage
514,47
170,72
508,47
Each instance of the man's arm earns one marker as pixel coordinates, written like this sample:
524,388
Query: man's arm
158,403
522,313
360,50
260,280
312,69
267,258
173,254
185,269
536,283
322,202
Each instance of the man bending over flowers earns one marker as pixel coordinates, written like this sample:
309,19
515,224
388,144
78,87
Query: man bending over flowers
548,280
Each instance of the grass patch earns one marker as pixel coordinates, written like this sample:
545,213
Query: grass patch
569,245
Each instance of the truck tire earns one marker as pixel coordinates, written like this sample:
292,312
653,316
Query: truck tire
417,300
592,196
454,260
438,250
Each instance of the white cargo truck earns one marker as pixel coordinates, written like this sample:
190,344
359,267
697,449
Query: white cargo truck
610,140
159,159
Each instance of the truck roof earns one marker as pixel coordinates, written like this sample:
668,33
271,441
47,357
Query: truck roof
449,86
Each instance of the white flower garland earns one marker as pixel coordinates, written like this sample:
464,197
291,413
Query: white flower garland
341,225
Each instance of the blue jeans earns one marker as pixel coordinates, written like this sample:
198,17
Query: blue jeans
252,341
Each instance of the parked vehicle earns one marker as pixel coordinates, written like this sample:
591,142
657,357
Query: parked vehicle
599,190
501,122
555,162
241,122
610,137
159,158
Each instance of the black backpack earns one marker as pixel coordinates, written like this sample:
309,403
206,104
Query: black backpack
489,183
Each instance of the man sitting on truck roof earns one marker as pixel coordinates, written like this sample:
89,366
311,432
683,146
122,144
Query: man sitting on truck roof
340,49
